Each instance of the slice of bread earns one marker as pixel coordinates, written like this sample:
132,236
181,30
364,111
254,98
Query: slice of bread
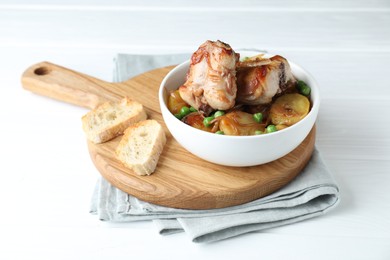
111,119
141,146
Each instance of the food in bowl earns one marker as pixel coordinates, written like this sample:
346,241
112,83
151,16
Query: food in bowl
225,95
230,150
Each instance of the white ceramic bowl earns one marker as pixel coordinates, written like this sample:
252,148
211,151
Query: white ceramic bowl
237,150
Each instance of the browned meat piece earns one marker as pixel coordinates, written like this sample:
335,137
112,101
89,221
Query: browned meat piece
211,78
260,79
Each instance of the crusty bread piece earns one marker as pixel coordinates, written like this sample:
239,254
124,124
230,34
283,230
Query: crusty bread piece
110,119
141,146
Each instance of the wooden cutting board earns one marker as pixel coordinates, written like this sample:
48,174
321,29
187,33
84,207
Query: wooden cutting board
181,180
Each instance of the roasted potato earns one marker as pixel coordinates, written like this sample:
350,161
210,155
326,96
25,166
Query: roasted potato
196,120
289,109
239,123
175,102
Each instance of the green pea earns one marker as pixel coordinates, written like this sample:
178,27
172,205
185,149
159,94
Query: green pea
207,121
219,113
258,132
303,88
193,109
258,117
178,116
220,132
271,129
184,111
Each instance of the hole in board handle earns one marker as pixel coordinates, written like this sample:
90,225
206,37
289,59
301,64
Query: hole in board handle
41,71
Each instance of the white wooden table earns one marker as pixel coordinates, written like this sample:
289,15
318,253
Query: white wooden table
47,177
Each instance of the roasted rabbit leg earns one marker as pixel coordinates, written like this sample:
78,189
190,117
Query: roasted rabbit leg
211,78
260,79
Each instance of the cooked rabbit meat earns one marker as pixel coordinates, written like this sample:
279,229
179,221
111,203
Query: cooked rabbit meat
254,61
211,78
259,84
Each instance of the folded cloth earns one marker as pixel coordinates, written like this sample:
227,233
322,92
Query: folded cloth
312,193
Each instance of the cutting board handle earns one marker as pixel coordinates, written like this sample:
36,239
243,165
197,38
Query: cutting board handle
66,85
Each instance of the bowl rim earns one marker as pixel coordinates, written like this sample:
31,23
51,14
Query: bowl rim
314,108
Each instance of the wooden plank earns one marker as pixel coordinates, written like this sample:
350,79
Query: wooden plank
181,180
345,75
337,72
199,4
354,129
264,30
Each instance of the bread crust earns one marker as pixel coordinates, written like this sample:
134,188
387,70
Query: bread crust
141,146
110,119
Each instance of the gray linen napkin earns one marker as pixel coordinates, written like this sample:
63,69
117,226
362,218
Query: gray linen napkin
312,193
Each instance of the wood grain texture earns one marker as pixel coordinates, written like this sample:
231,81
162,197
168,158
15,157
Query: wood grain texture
181,179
